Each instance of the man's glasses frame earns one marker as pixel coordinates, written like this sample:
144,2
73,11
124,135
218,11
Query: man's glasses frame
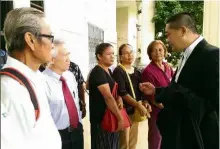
51,37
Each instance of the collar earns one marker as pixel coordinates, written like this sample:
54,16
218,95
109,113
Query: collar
190,48
52,74
153,63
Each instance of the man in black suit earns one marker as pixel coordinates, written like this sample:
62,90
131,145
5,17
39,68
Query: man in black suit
189,119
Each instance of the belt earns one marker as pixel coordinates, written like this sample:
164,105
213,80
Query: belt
71,129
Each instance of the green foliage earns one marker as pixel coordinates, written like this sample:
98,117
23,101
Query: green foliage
165,9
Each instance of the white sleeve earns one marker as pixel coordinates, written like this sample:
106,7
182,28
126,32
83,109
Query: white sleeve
17,113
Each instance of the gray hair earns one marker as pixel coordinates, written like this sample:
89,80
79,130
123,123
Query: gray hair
56,43
19,21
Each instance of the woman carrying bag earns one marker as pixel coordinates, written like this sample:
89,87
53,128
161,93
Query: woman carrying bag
128,79
106,113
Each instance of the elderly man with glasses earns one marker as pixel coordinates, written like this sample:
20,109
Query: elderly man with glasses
26,122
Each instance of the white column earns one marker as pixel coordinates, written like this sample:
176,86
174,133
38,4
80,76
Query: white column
110,34
211,22
21,3
138,39
147,29
122,25
132,31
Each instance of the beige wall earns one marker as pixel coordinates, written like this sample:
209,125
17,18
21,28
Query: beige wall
132,30
147,29
122,25
211,22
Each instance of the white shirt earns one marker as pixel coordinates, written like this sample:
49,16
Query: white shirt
186,55
56,99
19,128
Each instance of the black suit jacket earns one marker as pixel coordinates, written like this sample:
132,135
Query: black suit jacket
190,117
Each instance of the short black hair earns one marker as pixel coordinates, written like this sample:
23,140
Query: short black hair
182,19
101,48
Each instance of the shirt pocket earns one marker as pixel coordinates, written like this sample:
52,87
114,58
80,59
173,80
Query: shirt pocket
56,102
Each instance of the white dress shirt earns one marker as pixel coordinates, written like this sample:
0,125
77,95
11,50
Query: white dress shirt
19,128
186,55
56,99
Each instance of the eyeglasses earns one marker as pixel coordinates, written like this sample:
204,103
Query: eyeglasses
51,37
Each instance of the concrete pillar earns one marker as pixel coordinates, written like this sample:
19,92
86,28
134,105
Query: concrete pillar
211,22
147,29
21,3
138,39
132,31
110,34
122,25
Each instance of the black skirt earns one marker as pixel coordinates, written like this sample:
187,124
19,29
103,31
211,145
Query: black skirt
101,139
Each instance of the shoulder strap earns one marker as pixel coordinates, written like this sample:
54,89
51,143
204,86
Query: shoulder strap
115,90
18,76
129,79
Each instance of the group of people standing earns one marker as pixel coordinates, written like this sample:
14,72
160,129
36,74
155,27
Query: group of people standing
183,105
128,78
45,109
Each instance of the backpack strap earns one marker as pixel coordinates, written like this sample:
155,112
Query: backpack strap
18,76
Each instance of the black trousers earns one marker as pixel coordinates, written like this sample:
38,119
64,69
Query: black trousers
72,138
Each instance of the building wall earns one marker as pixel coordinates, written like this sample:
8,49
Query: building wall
211,22
132,30
122,25
147,29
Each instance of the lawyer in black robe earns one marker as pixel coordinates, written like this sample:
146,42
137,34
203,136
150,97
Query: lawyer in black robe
189,119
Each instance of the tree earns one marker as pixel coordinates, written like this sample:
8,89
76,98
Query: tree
165,9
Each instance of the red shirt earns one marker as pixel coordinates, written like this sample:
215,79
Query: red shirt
155,75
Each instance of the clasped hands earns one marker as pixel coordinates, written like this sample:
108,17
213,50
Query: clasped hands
142,106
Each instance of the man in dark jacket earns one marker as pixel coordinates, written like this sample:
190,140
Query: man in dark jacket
189,119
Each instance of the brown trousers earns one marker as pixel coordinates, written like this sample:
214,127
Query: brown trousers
129,137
